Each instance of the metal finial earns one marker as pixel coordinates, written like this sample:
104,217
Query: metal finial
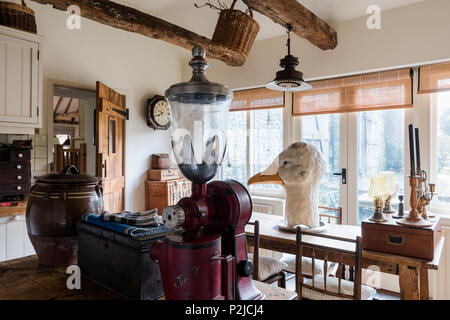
199,51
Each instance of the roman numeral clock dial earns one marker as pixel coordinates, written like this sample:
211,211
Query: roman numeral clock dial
158,113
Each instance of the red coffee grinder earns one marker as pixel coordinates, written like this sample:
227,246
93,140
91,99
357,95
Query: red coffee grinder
206,259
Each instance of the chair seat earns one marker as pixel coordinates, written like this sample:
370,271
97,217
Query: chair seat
367,293
289,260
268,266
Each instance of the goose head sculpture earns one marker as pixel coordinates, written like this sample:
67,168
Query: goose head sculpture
299,169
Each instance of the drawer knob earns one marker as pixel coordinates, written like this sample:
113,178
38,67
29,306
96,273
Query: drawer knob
19,177
19,166
20,155
19,188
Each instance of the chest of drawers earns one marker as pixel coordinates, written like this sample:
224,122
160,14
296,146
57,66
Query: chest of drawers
15,171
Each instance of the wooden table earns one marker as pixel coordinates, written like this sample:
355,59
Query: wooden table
412,272
23,279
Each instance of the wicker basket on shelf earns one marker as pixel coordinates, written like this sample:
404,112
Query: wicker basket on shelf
18,16
235,30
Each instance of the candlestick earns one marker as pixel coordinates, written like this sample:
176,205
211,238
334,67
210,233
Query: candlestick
411,150
413,219
417,151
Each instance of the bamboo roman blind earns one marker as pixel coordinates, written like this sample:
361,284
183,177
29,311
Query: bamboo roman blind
256,99
373,91
434,78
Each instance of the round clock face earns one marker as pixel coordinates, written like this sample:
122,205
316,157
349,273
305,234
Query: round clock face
161,113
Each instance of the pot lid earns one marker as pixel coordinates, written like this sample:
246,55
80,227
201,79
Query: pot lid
69,174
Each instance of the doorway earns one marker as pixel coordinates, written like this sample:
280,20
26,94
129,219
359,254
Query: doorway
73,129
357,145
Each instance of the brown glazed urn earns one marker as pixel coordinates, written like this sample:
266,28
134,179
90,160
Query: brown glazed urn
56,203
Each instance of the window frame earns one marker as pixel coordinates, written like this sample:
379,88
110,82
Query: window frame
256,190
432,110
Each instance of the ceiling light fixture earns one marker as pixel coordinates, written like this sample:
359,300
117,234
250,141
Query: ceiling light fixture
289,79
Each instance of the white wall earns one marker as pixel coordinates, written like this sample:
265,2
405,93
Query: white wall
140,66
410,35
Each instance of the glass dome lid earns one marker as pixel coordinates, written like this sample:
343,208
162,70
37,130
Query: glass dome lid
199,113
198,84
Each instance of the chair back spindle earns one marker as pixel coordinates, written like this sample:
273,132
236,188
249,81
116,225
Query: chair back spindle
330,255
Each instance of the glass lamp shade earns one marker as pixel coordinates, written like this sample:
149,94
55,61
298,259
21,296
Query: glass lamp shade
377,189
199,112
391,187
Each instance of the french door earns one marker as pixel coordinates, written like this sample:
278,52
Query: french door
357,145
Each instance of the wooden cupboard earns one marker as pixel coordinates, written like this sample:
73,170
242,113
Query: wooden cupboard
20,81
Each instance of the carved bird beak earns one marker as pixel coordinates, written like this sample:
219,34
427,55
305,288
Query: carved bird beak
268,176
265,179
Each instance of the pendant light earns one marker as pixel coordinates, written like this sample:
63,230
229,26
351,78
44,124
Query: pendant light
289,79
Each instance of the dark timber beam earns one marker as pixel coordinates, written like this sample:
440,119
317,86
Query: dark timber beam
132,20
305,23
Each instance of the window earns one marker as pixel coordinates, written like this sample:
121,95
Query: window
266,136
322,131
264,130
381,147
234,165
442,151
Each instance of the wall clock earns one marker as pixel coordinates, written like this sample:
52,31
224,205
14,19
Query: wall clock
158,113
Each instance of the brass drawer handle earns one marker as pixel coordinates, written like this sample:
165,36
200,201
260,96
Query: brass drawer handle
395,240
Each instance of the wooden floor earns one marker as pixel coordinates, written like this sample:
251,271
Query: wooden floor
27,281
23,279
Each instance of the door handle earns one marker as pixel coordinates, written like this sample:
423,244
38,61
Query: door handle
343,174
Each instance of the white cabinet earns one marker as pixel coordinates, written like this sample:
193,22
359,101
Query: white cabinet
14,241
20,81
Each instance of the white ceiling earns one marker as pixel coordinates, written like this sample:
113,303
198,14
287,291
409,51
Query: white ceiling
203,20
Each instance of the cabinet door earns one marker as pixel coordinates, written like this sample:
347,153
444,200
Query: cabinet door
3,221
18,80
15,238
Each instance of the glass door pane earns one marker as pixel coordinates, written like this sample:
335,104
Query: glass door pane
323,132
266,144
234,165
443,150
380,148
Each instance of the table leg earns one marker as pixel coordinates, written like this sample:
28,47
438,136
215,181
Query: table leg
424,285
409,282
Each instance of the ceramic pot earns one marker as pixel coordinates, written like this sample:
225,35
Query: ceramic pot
56,203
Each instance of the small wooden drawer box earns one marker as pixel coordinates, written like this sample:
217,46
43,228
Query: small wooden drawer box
390,237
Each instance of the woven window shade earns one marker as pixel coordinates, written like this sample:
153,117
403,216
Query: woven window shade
434,78
373,91
256,99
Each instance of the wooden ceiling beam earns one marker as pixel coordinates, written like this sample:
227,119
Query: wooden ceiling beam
304,23
129,19
66,117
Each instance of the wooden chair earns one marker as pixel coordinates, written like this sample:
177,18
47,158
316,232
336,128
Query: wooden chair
323,287
274,267
337,217
290,259
71,156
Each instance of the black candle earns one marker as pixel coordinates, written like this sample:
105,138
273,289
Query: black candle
417,149
411,149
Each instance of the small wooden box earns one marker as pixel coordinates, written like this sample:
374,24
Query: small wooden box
160,194
390,237
160,161
164,175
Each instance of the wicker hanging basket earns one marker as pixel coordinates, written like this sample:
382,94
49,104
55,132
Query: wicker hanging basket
18,16
236,31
